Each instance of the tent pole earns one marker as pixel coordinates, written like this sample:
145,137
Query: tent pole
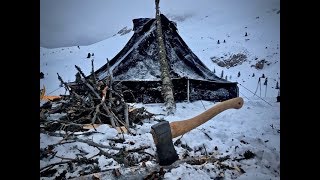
266,83
188,90
257,87
265,95
260,89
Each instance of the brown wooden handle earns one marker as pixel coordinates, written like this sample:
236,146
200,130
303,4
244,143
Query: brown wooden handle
180,127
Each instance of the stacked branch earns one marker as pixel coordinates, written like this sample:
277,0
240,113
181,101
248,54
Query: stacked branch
99,103
90,102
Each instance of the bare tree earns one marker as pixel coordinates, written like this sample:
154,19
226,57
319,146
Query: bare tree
167,87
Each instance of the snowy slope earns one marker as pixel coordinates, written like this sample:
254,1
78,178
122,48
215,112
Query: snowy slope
63,61
230,21
254,127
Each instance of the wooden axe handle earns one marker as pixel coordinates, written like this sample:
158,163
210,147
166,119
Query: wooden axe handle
181,127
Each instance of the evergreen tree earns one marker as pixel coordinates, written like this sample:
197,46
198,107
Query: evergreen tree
221,74
41,75
277,85
239,74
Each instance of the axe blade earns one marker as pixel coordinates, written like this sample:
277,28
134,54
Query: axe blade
162,136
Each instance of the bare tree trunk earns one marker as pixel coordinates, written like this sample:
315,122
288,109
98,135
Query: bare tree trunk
167,87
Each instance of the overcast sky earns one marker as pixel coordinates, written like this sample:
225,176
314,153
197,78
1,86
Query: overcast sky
84,22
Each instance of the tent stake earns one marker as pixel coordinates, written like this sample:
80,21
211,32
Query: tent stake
260,89
188,90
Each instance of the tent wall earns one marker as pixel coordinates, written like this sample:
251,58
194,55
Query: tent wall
212,91
150,91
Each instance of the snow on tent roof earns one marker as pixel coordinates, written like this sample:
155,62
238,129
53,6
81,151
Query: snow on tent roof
138,60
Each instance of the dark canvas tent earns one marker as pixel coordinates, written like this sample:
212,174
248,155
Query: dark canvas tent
137,68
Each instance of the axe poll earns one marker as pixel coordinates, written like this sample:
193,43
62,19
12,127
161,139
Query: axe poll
163,132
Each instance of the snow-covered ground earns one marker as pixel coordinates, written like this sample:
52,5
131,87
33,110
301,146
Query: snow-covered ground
254,127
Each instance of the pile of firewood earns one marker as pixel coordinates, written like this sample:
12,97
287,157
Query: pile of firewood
98,103
90,103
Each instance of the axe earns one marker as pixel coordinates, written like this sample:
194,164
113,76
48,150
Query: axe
163,132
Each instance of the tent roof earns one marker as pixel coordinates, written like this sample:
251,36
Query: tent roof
138,60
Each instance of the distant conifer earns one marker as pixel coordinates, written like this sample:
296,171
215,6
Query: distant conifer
239,74
253,75
41,75
277,85
221,74
218,42
246,34
89,55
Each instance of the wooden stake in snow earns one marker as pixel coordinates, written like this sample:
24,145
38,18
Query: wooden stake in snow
167,87
126,115
92,73
266,84
188,90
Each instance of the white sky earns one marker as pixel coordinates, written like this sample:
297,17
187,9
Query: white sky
82,22
200,23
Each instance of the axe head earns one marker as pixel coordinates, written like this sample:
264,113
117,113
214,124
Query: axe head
162,137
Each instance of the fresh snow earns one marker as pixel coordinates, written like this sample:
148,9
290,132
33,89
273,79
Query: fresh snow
254,127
